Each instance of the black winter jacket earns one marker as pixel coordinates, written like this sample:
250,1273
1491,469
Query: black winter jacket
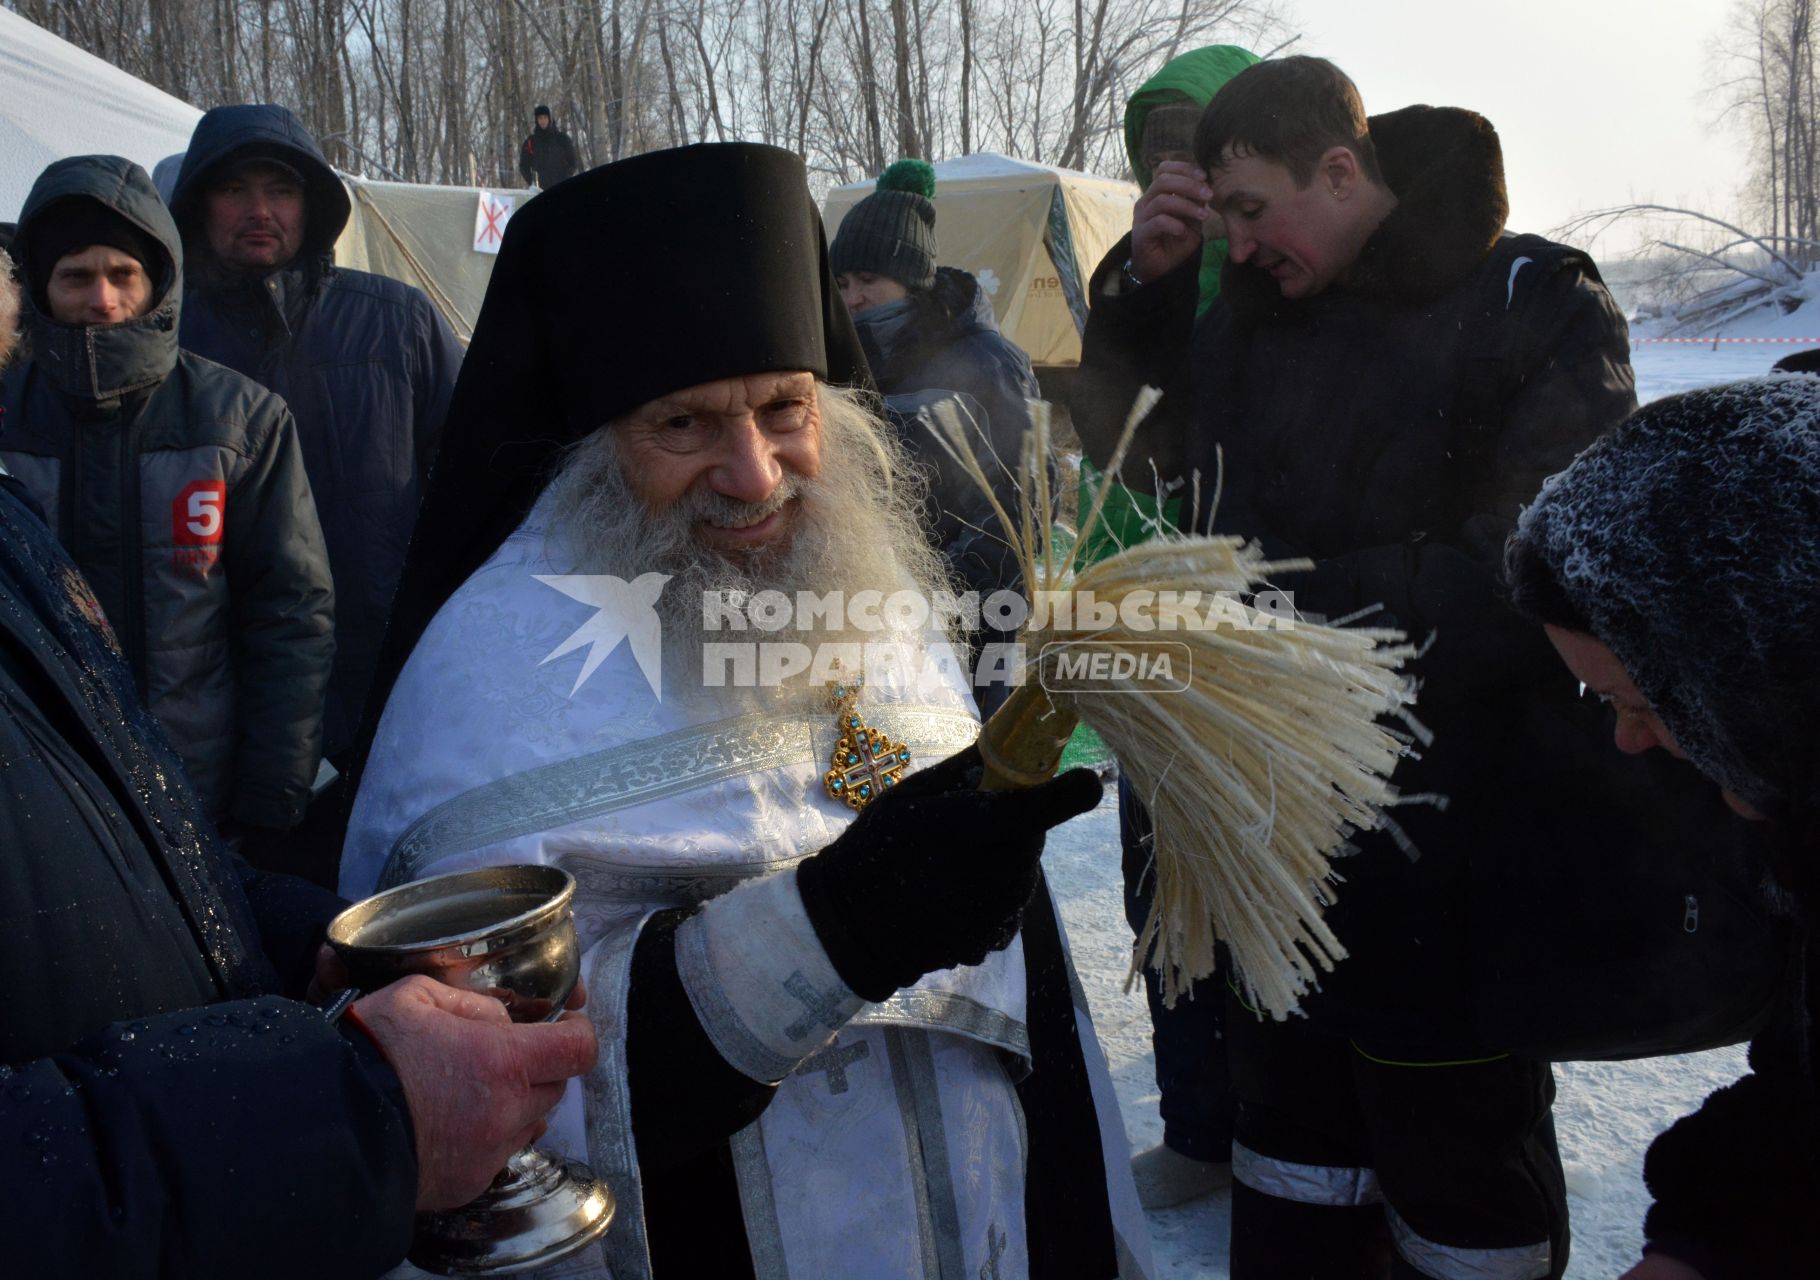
1736,1183
365,363
1136,338
946,339
1389,428
167,1109
548,154
178,487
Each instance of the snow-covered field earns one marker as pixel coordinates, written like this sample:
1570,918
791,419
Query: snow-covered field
1605,1114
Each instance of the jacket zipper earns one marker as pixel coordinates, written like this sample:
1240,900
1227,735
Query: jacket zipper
132,556
70,527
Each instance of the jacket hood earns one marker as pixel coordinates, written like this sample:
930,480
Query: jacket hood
1447,170
1688,541
1195,76
104,362
227,135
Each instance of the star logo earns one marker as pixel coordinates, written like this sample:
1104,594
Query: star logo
623,611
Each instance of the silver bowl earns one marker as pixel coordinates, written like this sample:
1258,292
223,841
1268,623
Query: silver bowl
507,932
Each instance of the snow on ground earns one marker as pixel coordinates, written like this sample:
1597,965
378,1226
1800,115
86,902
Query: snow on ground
1605,1113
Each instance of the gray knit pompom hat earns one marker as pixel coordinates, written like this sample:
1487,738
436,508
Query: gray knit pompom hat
892,231
1688,541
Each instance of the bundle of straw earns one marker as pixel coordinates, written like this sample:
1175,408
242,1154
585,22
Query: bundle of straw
1255,773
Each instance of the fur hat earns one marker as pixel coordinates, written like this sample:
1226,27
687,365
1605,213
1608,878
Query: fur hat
1688,542
892,231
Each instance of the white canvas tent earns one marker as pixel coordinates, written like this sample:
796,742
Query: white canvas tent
1031,233
56,101
422,235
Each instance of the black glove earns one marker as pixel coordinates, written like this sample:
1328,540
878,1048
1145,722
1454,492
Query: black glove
935,874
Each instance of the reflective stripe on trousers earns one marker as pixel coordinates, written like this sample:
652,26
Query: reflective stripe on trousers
1346,1187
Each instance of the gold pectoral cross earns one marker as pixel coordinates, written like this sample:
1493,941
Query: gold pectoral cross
866,763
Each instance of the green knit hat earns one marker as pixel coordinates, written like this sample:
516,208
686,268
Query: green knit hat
1193,77
892,231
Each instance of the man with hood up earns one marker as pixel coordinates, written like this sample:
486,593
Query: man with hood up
548,154
1153,284
1137,336
178,487
365,363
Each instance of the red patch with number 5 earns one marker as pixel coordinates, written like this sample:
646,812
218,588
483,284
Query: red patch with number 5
198,513
197,516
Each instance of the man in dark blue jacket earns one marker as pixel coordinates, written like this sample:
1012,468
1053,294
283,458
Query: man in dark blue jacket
365,363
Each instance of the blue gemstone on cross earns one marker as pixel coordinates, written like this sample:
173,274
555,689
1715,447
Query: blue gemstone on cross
872,764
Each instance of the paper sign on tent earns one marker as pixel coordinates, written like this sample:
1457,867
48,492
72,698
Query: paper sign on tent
490,218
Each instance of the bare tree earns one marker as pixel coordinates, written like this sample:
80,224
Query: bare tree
441,90
1767,86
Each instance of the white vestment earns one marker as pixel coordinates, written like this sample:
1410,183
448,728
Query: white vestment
895,1143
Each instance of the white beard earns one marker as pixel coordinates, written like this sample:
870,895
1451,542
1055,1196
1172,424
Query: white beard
857,529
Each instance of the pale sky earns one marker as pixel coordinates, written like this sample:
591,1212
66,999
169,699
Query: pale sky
1597,102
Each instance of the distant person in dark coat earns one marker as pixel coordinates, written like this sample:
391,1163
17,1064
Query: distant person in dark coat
169,1106
365,363
178,486
548,154
1673,566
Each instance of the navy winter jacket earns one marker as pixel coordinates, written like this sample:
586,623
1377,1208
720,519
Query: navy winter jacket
365,362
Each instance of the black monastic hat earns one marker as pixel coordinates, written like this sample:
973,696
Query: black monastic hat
626,282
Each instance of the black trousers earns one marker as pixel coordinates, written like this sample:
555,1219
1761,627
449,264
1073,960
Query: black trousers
1351,1164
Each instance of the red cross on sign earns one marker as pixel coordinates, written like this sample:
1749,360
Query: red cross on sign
490,218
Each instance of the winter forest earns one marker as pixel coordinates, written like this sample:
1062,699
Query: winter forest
442,90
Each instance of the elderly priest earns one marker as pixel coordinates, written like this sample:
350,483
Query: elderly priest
839,1032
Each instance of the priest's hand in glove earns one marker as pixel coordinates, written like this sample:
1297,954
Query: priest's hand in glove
935,873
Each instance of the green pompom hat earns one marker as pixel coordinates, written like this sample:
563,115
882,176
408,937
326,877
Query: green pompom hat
892,231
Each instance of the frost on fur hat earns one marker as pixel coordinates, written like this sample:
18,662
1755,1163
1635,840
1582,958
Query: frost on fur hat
1688,541
892,231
